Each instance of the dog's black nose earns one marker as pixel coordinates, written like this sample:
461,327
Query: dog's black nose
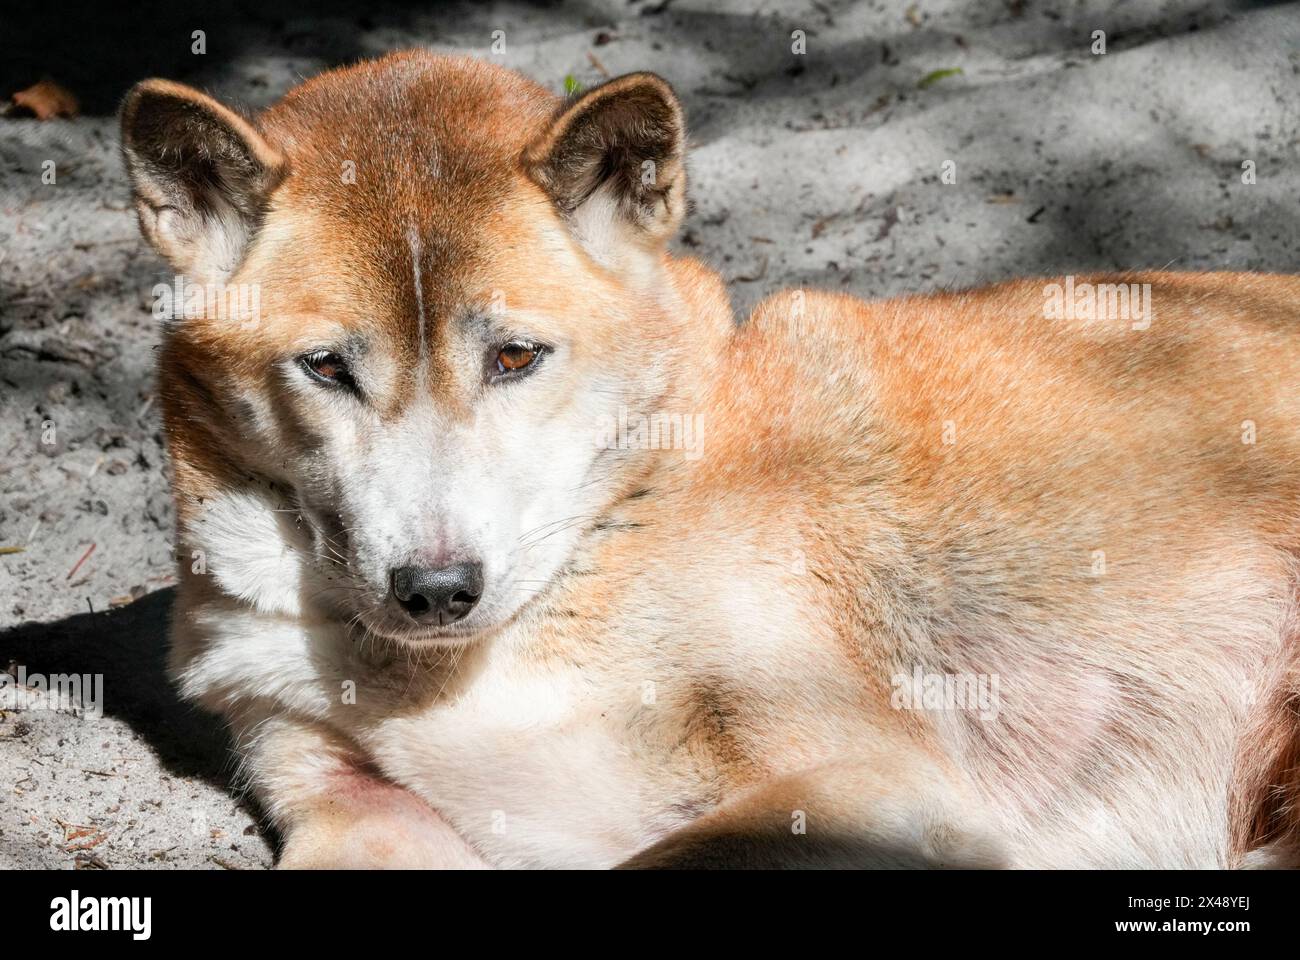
438,596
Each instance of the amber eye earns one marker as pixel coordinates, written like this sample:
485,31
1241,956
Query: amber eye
326,366
515,356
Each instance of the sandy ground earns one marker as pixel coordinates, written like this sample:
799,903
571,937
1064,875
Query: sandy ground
820,169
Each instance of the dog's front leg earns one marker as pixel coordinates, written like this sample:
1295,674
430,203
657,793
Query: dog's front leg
333,810
848,815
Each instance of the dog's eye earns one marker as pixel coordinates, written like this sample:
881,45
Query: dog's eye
514,357
327,367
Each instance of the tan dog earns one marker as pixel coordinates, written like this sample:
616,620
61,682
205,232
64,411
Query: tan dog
501,545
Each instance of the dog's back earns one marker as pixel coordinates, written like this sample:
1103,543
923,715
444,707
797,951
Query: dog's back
1101,513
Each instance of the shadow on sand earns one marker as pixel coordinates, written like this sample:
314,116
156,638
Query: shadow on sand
129,647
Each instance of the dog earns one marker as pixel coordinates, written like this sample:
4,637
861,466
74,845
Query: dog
503,545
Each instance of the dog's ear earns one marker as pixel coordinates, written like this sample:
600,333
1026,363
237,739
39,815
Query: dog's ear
201,175
612,162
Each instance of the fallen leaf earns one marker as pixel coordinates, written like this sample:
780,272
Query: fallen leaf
934,76
77,836
45,100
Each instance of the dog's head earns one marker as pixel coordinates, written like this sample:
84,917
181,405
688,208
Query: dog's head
414,291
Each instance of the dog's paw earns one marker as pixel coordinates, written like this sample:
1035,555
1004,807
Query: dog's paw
376,843
387,829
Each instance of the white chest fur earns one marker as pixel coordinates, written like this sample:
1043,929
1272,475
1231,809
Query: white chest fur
532,768
535,765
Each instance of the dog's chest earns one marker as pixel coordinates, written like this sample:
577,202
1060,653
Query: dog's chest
541,767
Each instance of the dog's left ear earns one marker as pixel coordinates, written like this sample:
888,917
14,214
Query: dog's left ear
612,162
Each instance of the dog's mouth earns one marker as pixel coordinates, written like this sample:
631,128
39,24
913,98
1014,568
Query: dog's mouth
382,624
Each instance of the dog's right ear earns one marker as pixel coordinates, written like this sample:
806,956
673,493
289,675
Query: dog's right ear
201,175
